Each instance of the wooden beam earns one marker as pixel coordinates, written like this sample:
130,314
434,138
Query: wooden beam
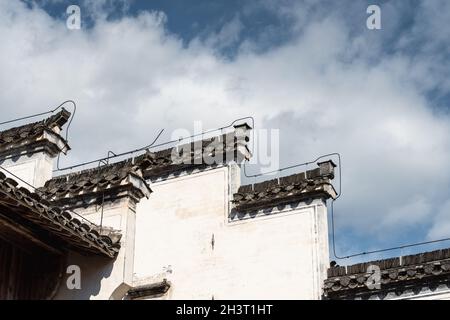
24,237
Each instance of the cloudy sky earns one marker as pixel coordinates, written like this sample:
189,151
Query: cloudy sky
311,69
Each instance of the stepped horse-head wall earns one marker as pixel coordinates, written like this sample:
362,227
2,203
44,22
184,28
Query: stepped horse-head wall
211,238
199,234
174,223
36,235
178,223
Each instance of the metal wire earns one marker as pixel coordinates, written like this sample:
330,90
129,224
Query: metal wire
28,117
49,112
379,250
68,125
245,173
36,190
155,146
66,138
45,113
294,166
333,230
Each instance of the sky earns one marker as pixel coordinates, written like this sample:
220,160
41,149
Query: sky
311,69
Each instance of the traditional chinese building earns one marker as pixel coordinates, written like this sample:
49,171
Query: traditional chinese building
171,224
419,276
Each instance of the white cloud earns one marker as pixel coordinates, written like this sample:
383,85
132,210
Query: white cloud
323,89
441,222
227,36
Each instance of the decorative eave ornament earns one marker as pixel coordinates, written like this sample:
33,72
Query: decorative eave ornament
44,134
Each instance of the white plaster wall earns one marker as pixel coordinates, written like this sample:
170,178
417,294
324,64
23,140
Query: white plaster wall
281,256
101,276
35,169
445,295
442,293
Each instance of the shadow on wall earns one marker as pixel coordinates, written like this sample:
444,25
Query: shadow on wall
92,271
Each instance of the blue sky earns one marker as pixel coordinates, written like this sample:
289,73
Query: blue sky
192,19
308,68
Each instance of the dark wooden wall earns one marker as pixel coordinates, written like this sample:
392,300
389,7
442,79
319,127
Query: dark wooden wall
27,274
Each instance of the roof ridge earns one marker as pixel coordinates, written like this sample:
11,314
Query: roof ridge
420,270
402,261
146,160
46,215
28,132
59,119
94,180
295,178
98,169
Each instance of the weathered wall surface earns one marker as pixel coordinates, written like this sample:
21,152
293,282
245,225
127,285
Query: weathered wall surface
35,169
100,276
183,234
27,274
440,293
429,295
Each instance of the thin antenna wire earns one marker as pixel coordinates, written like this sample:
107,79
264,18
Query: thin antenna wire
27,117
380,250
41,193
245,173
294,166
333,231
48,112
111,157
66,138
68,125
103,192
155,146
106,162
45,113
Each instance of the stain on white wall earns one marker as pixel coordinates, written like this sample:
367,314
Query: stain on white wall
279,256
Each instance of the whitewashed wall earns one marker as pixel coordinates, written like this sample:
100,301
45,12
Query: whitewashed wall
280,256
34,169
441,293
429,295
102,278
